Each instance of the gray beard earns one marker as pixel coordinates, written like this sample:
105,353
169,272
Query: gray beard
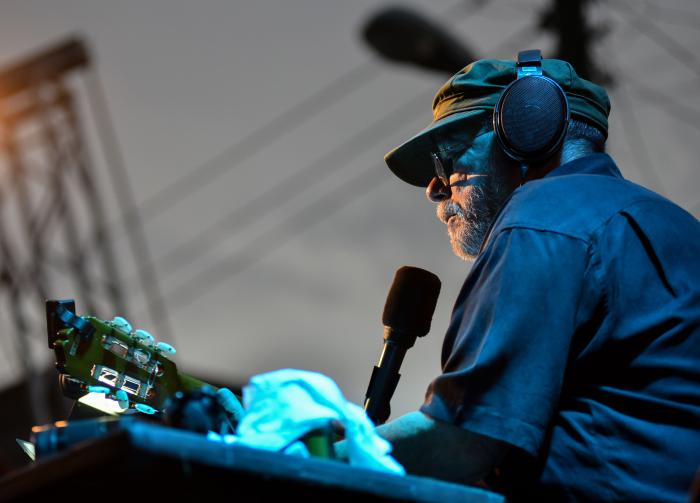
474,221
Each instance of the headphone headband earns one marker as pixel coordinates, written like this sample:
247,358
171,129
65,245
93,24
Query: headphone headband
529,63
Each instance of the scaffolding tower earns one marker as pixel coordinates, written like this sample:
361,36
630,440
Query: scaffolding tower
55,236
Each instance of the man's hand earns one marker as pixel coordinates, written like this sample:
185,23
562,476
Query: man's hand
231,405
225,396
440,450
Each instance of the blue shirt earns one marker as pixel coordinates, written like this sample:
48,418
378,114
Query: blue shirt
576,339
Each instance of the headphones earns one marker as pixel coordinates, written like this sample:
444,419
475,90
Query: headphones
532,114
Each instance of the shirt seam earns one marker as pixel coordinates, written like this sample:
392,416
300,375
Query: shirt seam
466,421
516,226
595,261
594,232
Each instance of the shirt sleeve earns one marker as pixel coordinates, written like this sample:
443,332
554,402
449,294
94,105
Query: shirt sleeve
506,350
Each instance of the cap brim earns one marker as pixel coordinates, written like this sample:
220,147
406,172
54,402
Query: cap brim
411,160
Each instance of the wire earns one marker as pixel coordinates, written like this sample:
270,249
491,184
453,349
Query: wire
512,43
257,249
656,97
635,140
675,16
288,188
679,111
676,50
633,134
514,11
463,8
132,220
301,112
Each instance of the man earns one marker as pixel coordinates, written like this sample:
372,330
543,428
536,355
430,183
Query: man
571,366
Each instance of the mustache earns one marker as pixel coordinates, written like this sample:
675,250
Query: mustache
447,209
479,205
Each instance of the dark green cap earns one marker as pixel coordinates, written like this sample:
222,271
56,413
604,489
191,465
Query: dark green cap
473,93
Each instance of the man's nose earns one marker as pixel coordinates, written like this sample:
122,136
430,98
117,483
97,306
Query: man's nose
437,191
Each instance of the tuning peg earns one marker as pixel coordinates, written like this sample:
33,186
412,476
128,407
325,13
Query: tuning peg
144,337
142,407
164,347
98,389
121,324
122,399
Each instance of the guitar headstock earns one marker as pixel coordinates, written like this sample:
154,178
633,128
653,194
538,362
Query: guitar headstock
109,357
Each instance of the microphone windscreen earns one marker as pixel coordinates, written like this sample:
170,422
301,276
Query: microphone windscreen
411,301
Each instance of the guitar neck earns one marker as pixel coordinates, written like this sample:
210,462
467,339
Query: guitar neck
94,352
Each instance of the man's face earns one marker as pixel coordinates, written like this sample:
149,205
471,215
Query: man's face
481,177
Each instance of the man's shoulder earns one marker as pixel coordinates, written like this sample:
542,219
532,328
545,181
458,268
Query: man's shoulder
576,203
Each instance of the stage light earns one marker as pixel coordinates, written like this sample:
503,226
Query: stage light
406,36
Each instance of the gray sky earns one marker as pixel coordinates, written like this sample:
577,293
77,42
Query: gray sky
186,80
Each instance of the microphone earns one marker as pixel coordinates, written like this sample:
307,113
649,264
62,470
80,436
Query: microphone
407,314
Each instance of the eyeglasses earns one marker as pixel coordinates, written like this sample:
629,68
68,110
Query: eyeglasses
440,171
444,157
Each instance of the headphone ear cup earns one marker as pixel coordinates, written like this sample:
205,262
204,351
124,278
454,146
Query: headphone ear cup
531,118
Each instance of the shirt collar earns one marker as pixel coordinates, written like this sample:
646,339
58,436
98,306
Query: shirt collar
592,164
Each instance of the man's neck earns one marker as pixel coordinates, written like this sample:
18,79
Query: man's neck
570,152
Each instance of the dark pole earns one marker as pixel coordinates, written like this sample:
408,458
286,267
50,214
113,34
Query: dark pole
567,20
406,36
